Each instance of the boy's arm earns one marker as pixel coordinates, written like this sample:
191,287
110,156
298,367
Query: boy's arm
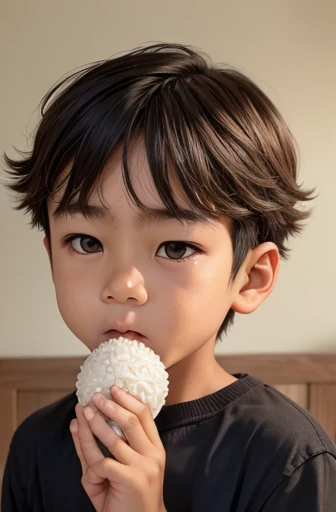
13,497
312,488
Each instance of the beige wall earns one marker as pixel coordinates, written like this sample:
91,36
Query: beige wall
286,46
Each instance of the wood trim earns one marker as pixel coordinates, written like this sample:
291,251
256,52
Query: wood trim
60,373
8,424
299,393
40,373
323,406
284,368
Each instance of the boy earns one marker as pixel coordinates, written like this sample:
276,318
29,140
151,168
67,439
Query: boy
137,157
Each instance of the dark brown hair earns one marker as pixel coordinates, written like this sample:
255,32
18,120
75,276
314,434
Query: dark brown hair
208,126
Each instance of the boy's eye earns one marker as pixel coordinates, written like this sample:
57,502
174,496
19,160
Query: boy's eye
84,244
176,250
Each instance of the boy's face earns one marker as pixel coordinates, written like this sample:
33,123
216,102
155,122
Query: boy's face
120,272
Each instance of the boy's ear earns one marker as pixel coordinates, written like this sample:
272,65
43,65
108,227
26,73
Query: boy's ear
256,278
47,245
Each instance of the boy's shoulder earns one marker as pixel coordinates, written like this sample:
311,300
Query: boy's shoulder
281,446
254,417
246,440
283,415
274,439
275,423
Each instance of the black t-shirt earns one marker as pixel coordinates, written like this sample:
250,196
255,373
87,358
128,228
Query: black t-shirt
245,448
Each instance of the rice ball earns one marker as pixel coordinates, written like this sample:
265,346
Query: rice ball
128,364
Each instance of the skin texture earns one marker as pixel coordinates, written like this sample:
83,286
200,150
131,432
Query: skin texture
130,276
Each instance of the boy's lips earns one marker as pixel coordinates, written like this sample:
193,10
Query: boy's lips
130,335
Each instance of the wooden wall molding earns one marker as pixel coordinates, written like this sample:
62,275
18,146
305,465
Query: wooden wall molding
60,373
284,368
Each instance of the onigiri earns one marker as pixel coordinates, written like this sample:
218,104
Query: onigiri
128,364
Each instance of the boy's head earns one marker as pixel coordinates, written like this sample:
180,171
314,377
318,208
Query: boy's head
161,128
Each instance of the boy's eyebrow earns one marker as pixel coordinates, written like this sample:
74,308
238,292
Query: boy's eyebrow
145,218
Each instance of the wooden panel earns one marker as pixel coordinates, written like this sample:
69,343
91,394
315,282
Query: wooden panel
299,393
323,406
60,373
7,424
29,401
283,368
44,373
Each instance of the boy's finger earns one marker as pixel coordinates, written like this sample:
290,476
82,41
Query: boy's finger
116,446
74,434
142,412
88,445
127,422
106,469
129,416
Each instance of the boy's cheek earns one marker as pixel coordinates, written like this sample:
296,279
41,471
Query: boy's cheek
77,314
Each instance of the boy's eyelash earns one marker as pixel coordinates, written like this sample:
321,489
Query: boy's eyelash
68,239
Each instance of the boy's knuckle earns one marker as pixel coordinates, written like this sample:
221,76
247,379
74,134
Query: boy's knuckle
85,479
153,472
112,443
131,421
106,464
144,412
159,458
162,453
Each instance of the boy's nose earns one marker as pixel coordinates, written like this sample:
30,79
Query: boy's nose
125,286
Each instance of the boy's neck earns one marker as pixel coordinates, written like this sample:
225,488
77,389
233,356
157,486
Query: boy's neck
195,378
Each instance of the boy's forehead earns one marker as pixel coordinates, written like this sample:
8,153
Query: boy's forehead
111,180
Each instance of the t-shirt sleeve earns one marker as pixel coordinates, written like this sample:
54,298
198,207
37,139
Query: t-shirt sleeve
312,488
13,497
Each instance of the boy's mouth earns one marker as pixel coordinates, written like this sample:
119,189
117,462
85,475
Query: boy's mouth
130,335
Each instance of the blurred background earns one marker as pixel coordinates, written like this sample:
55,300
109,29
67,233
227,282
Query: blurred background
287,47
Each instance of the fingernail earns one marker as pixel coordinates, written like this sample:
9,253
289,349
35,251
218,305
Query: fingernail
88,413
97,398
73,426
115,389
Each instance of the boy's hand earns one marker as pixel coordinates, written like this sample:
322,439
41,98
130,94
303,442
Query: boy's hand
134,481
